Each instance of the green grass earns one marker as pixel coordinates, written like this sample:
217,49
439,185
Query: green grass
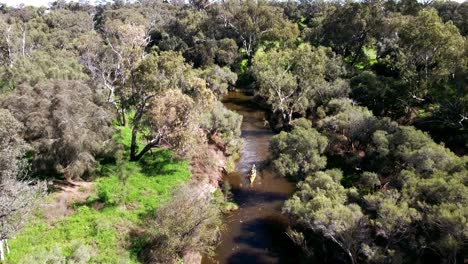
122,207
371,55
369,58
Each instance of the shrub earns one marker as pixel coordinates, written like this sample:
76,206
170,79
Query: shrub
190,221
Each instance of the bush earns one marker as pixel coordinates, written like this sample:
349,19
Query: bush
299,152
189,222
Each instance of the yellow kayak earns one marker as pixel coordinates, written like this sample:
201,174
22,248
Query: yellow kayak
252,174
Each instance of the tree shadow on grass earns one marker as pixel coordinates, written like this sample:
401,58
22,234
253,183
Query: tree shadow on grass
155,163
139,244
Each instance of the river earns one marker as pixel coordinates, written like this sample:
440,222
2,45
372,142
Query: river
256,232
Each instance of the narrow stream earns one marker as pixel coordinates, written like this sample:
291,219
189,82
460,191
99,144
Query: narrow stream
256,232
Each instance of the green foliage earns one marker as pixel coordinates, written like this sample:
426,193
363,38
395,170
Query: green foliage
298,153
296,80
219,79
41,66
411,192
256,21
12,147
380,94
223,127
320,204
349,127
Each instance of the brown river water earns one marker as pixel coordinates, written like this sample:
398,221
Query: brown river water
256,232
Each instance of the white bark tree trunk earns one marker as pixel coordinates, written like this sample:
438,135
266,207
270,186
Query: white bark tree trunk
23,46
2,254
7,247
8,41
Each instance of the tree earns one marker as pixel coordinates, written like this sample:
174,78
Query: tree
223,128
255,22
227,52
442,201
12,145
40,66
173,122
125,40
218,79
18,195
455,12
426,54
295,80
350,127
298,153
159,76
412,149
65,123
350,27
320,205
13,39
29,37
381,94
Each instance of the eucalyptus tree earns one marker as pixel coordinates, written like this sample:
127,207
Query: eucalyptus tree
431,48
295,80
218,79
165,75
426,54
256,21
37,45
413,206
350,27
113,62
455,12
223,128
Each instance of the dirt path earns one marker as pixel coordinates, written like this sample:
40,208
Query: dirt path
60,204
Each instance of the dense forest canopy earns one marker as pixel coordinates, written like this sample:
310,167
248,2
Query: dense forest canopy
369,99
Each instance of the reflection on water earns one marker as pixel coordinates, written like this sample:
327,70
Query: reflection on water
256,232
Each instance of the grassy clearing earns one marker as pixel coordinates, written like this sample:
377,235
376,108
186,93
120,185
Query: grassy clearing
99,229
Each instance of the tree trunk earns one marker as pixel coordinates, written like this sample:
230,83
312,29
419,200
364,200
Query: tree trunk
359,50
23,46
290,117
2,254
136,124
148,147
348,252
8,41
124,117
7,247
133,146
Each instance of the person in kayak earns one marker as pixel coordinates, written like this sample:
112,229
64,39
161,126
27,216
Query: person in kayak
252,174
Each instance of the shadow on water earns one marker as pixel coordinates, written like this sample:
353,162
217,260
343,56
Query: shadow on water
256,233
245,198
254,133
265,242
